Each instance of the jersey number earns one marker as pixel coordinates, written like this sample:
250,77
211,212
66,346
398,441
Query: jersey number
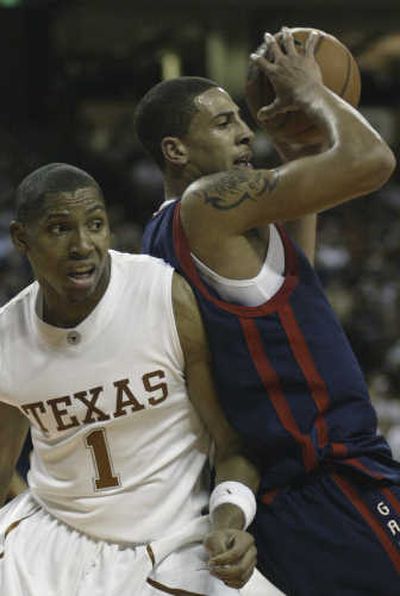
97,442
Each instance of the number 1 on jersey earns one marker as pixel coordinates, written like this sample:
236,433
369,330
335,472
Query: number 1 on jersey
97,442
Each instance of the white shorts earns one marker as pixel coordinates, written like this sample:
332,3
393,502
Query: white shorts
41,556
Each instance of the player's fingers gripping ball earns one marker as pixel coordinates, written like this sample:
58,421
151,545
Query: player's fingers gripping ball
339,70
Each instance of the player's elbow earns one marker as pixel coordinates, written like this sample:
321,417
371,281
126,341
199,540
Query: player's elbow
384,163
372,169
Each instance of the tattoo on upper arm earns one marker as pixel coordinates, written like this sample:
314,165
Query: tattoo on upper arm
231,189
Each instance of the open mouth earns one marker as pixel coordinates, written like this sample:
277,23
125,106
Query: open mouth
82,275
243,162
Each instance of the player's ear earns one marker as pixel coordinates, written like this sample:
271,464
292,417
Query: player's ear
174,151
18,236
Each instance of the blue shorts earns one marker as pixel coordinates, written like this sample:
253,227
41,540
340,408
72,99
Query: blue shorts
334,535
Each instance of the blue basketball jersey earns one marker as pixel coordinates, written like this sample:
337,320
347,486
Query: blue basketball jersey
285,373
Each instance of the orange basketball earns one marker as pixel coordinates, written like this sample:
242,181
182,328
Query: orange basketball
339,71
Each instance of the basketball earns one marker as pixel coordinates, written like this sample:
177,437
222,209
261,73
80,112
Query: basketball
340,73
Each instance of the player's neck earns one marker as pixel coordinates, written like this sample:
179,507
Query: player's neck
175,186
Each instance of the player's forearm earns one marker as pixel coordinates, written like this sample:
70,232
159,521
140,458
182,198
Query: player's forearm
13,430
290,150
352,139
237,467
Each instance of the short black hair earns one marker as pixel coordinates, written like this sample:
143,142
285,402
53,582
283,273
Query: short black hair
167,109
51,178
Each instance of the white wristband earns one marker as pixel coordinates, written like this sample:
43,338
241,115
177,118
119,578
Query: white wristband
238,494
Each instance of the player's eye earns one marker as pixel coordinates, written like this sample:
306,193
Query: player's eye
95,225
58,228
223,123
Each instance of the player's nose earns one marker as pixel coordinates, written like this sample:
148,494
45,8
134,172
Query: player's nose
245,135
81,243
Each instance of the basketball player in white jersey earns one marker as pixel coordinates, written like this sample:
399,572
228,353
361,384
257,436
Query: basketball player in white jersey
104,357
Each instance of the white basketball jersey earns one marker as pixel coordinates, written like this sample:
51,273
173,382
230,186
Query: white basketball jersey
119,452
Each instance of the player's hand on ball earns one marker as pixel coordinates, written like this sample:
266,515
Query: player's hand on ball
233,556
290,71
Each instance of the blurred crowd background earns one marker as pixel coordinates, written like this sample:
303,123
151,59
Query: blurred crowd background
72,71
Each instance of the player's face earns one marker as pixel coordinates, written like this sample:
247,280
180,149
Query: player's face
67,245
218,139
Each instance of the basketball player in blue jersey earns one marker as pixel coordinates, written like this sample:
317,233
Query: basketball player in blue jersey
328,516
104,358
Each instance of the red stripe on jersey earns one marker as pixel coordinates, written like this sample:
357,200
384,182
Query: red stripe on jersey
392,499
339,450
356,463
305,361
271,382
365,512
